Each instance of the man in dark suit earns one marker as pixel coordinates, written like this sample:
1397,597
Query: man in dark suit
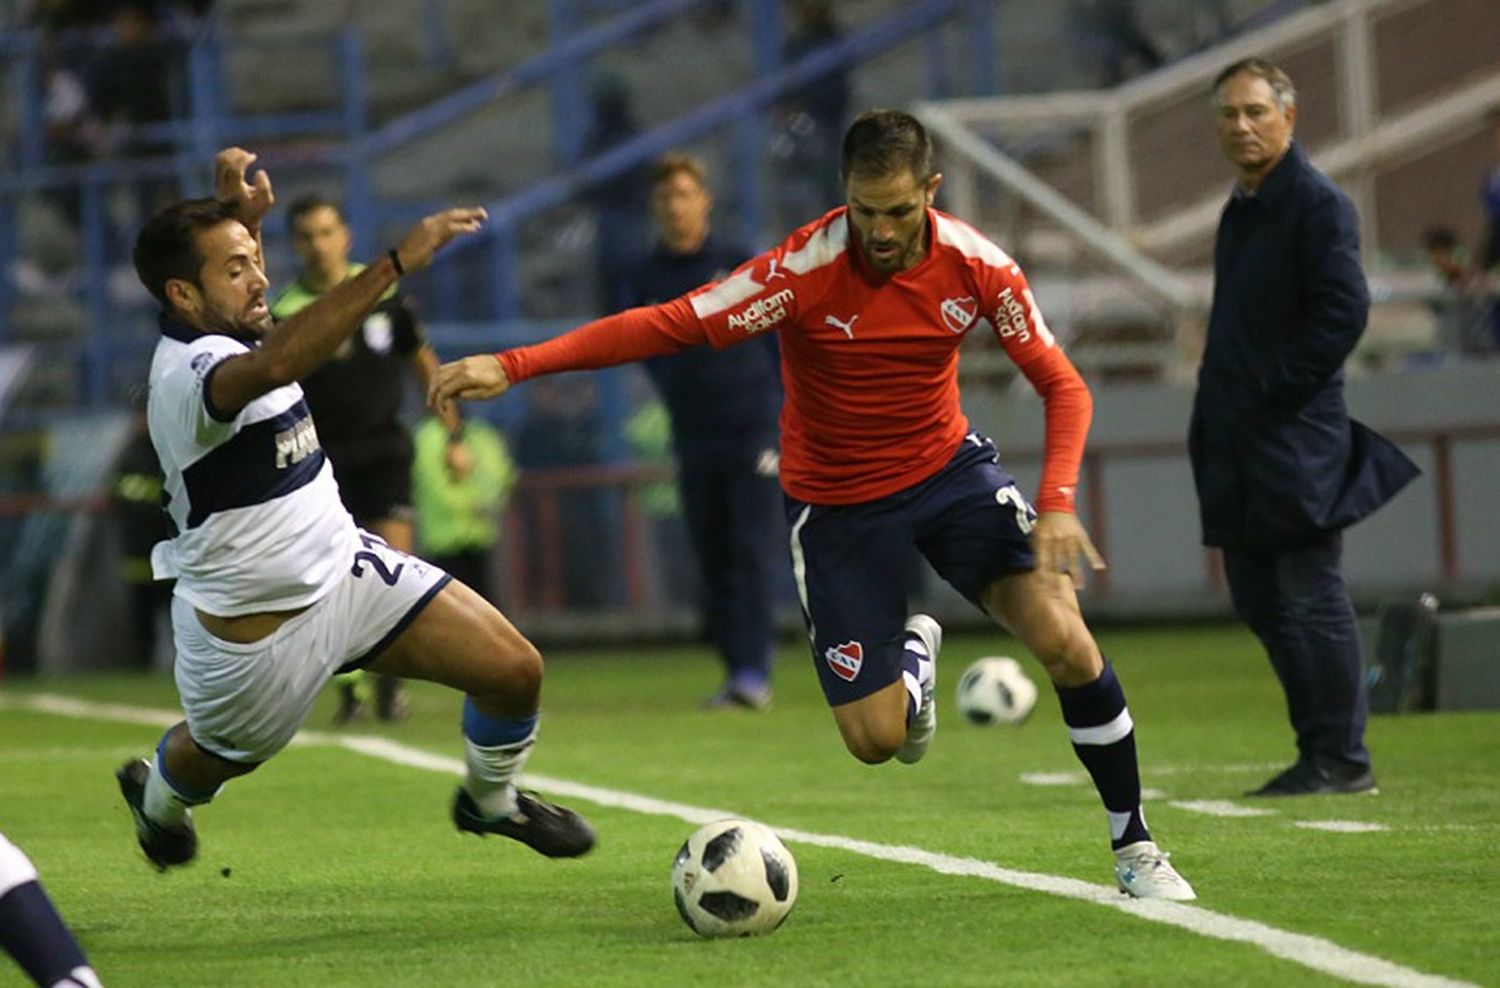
1280,467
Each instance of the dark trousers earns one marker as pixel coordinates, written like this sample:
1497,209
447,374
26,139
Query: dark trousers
469,567
739,534
1295,600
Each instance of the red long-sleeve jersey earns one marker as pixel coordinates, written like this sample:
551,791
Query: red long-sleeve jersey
869,361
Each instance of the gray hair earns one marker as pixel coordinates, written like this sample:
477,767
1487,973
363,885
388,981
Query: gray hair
1282,89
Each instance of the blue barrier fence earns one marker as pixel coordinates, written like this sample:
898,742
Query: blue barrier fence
339,138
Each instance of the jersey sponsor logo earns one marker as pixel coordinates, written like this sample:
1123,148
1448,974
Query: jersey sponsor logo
1010,317
847,327
763,313
959,313
297,443
845,660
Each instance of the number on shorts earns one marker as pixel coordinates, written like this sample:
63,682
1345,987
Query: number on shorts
1010,495
387,576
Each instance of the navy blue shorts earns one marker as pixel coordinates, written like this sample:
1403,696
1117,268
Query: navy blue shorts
851,561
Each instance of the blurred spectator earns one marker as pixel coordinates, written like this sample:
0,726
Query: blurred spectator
1112,30
1464,308
620,203
812,120
562,429
461,479
131,80
1491,257
54,16
724,406
136,503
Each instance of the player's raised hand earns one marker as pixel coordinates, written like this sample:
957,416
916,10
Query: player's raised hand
424,239
469,379
251,198
1062,546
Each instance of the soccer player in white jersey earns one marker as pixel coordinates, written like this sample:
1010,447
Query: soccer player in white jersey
277,589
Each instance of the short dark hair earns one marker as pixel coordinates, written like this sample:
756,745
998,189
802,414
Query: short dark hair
303,205
1278,80
886,142
167,246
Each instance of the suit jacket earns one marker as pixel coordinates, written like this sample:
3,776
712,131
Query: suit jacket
1276,458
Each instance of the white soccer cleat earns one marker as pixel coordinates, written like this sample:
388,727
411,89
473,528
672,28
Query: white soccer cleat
1143,871
924,725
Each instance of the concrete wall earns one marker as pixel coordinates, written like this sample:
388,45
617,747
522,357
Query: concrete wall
1140,505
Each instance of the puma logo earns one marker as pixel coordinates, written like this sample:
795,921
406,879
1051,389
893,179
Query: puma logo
773,271
847,327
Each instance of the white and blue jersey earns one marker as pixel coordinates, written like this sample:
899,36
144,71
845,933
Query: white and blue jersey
260,526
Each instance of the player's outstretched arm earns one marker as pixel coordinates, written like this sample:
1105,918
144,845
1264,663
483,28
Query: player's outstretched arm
298,346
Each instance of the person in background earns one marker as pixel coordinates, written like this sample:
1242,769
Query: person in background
1464,308
356,397
461,479
1280,468
1490,256
136,500
723,408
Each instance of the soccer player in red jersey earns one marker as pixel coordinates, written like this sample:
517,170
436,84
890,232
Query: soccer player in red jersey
871,302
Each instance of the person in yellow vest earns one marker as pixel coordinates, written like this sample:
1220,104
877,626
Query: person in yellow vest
461,480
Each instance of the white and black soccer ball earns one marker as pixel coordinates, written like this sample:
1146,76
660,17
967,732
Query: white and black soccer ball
734,878
995,690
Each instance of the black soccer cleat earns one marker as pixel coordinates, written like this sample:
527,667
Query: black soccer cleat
164,846
554,831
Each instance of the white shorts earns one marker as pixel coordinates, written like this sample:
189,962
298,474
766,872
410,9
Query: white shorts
245,701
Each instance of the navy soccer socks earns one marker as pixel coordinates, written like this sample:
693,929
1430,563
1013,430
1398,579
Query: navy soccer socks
1103,737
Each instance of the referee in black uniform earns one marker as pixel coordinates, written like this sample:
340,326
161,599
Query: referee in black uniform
724,408
356,399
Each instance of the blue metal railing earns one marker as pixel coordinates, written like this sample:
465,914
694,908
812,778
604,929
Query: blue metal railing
355,148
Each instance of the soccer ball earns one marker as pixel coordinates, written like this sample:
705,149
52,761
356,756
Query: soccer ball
734,878
994,690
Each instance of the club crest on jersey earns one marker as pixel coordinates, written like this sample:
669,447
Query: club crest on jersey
958,313
763,313
380,332
845,660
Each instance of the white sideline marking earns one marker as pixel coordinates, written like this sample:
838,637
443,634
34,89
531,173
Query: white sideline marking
1309,951
1219,807
1341,826
1054,778
1075,778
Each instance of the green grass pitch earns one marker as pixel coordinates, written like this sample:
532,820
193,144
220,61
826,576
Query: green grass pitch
332,866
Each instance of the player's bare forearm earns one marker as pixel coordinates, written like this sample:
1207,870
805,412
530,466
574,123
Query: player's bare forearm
300,345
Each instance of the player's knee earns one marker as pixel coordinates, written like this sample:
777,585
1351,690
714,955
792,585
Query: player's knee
1068,654
874,743
520,669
